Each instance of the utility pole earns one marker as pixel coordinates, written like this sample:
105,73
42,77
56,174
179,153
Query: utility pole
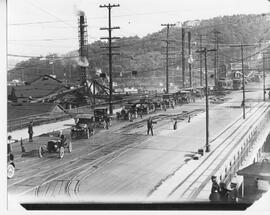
183,56
243,74
205,51
264,77
189,55
201,76
110,47
216,33
167,55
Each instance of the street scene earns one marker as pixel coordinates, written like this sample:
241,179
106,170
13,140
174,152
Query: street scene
111,103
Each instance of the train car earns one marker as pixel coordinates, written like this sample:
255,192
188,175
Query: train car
225,84
237,84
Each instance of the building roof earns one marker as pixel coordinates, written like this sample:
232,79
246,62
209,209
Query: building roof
40,87
28,109
259,169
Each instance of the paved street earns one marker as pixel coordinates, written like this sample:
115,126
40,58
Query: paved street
123,163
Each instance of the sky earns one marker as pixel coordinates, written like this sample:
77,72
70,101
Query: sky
40,27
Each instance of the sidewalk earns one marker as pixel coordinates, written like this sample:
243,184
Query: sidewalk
45,128
42,129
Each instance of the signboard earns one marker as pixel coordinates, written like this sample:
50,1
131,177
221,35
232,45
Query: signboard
263,185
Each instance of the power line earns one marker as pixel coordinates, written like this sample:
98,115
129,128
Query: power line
50,14
49,39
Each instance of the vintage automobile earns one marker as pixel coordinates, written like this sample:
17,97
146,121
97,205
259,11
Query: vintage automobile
168,100
10,162
101,117
146,106
57,144
128,112
84,126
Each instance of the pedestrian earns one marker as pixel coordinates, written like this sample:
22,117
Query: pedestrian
150,123
233,194
269,94
224,192
107,122
30,131
214,196
242,103
62,137
175,124
141,112
189,118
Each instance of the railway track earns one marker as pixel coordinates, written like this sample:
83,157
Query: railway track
78,168
187,189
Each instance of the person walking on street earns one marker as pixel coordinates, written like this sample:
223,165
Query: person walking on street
189,118
30,131
107,121
141,112
175,124
150,126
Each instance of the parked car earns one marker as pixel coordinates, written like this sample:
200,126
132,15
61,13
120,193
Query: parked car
10,162
101,117
128,112
84,126
56,144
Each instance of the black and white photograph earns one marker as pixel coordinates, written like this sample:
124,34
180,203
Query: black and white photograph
139,105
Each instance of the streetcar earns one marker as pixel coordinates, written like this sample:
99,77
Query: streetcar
237,84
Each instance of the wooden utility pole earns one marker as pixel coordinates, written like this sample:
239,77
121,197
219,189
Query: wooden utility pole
243,75
110,47
205,51
216,33
167,54
264,92
201,76
189,55
183,56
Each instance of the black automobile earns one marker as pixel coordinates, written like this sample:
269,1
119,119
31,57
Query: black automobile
101,117
56,144
10,162
128,112
84,126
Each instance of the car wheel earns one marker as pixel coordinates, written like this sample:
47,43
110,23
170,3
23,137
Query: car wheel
40,152
69,147
10,171
61,152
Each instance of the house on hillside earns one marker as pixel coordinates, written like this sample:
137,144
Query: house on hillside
40,87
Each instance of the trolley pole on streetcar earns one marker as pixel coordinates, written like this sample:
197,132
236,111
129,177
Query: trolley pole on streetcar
205,51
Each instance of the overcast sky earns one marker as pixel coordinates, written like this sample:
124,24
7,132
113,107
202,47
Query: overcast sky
29,30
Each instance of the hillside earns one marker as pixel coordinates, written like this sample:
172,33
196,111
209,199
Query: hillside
146,55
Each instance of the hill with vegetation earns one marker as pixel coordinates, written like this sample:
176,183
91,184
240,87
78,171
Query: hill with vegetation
146,55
